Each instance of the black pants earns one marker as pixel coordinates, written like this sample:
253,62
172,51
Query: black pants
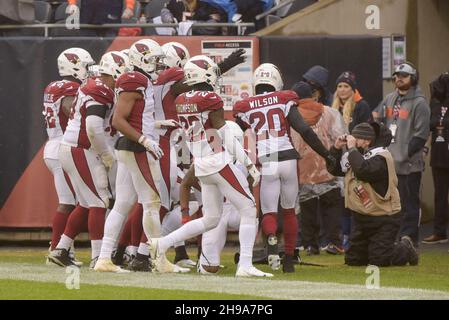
408,186
328,206
441,184
372,241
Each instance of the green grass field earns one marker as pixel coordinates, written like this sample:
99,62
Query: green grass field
24,275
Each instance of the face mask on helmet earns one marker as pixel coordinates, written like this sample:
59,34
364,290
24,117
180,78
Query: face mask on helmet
147,55
268,74
201,69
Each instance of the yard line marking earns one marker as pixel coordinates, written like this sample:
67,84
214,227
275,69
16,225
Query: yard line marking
264,288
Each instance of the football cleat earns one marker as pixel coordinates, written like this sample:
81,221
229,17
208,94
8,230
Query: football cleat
61,258
186,263
201,270
106,265
93,262
74,260
274,261
165,266
251,271
287,264
140,264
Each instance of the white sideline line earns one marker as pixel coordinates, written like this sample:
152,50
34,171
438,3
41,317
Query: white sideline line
264,288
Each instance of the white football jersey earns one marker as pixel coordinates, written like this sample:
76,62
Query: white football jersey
266,114
141,117
92,92
203,140
55,119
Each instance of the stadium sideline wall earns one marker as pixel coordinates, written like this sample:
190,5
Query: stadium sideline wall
27,195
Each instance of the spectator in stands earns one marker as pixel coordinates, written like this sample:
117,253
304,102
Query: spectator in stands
194,10
355,110
406,113
439,156
319,191
249,9
101,12
317,77
372,195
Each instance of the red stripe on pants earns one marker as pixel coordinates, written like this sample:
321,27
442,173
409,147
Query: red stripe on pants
69,183
230,177
79,158
144,167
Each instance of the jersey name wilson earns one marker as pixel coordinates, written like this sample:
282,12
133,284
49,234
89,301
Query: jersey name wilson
267,101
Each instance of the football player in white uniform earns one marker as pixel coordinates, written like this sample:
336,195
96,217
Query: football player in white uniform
86,156
73,65
201,115
270,115
138,151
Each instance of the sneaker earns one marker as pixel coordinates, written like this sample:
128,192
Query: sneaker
251,271
93,262
106,265
312,251
413,253
186,263
334,249
140,263
274,261
434,239
287,264
61,258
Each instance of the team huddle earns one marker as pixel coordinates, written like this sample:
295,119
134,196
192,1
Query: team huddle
143,159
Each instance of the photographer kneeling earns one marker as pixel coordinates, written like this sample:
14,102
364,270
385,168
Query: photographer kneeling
372,196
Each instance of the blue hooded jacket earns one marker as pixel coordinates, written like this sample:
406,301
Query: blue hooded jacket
320,75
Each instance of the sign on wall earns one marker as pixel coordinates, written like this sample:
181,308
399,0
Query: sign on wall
236,84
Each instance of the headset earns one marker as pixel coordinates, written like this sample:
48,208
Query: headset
409,68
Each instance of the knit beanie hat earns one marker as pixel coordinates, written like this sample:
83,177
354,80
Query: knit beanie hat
364,131
349,78
302,89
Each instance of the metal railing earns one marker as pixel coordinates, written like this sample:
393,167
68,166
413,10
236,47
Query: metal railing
46,27
274,9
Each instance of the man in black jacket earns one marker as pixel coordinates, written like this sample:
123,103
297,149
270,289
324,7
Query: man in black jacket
439,156
372,196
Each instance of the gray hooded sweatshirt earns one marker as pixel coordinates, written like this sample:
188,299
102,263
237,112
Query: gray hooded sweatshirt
413,121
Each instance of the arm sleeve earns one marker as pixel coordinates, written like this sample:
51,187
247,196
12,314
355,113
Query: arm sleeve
371,170
234,147
297,122
336,170
95,132
241,124
422,120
